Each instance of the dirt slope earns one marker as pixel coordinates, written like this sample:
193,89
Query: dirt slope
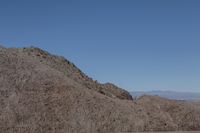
41,93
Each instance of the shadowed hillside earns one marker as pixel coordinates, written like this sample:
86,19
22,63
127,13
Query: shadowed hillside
41,92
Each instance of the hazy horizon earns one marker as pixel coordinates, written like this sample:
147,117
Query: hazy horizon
137,45
152,90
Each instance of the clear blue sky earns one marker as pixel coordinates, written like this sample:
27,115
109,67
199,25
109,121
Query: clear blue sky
136,44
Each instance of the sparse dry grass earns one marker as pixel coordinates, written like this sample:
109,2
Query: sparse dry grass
41,93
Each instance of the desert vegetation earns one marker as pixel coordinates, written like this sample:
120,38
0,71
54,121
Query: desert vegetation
40,92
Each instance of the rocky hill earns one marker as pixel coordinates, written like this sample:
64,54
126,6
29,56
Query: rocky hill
66,67
40,92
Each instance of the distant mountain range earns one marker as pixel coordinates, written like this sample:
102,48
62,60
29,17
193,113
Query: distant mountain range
170,94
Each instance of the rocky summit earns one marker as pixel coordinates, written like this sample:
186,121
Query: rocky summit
45,93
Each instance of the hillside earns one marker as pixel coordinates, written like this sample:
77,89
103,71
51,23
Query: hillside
40,92
71,71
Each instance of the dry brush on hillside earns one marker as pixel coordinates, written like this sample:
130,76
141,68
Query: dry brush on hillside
40,92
